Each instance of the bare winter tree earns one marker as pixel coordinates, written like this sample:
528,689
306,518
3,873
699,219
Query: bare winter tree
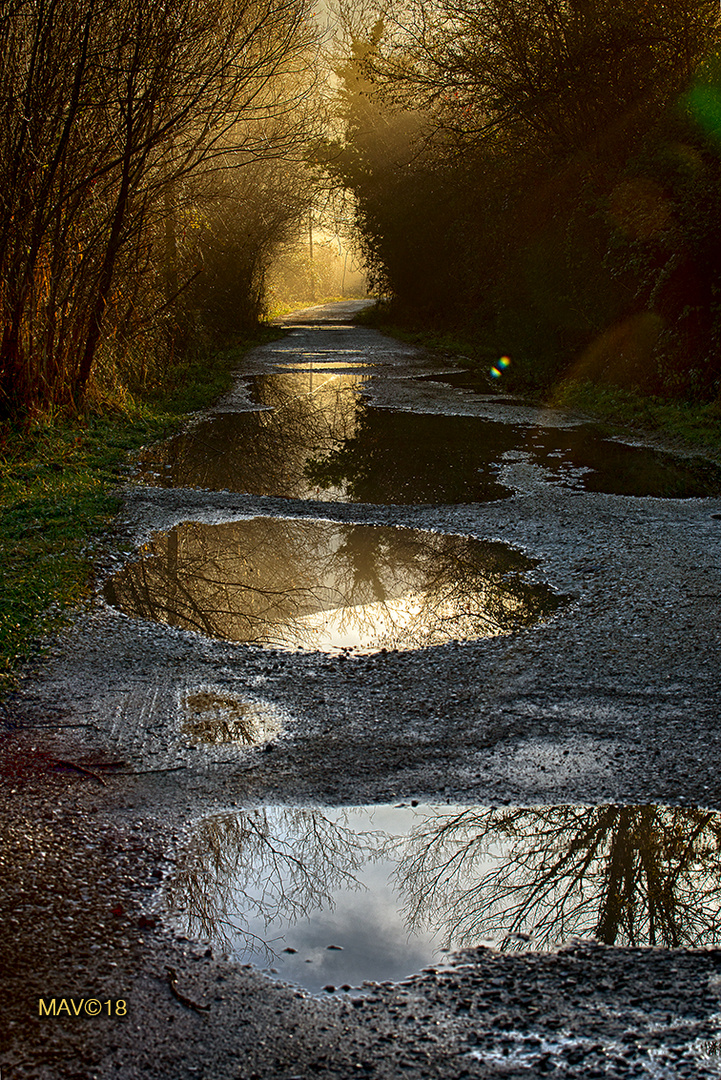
109,106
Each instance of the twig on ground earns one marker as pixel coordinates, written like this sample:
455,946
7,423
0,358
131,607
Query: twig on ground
172,981
80,768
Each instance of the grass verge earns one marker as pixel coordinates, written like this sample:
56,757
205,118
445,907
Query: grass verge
59,491
688,424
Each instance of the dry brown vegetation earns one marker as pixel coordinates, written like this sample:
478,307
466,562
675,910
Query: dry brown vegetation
131,132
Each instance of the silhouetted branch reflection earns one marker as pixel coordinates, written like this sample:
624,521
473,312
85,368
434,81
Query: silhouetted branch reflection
407,458
446,877
315,437
318,584
270,867
264,452
638,875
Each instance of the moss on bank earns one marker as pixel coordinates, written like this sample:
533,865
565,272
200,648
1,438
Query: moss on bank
58,492
687,424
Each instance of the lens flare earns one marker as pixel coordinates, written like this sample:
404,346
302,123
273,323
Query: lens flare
498,369
703,100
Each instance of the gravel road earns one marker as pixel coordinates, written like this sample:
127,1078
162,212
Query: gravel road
611,699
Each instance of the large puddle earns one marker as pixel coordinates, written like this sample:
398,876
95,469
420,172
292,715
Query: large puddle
322,585
329,897
316,437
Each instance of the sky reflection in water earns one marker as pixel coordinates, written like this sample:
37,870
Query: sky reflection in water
321,585
392,887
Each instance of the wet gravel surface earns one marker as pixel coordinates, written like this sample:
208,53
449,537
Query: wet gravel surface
613,699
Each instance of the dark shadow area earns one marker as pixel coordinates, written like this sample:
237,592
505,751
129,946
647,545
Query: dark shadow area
417,458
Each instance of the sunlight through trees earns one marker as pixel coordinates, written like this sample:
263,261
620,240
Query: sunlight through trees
128,129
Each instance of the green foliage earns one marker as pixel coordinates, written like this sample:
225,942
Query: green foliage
682,423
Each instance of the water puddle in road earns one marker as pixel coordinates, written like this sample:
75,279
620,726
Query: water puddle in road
308,363
303,415
323,585
315,437
586,460
330,897
214,718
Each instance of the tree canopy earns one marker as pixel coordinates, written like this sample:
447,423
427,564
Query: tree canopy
546,172
111,109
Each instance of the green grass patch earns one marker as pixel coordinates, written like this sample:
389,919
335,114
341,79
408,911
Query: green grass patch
687,424
59,491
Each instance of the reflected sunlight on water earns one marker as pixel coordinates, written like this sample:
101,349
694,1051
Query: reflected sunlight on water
320,585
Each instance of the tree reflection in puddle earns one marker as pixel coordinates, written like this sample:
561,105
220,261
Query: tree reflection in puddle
315,437
320,585
264,452
626,875
341,895
212,717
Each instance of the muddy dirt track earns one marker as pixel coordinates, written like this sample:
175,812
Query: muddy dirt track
595,687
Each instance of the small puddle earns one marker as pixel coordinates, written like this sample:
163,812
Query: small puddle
214,718
315,437
308,362
322,585
330,897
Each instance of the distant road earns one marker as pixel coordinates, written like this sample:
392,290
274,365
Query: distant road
337,311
